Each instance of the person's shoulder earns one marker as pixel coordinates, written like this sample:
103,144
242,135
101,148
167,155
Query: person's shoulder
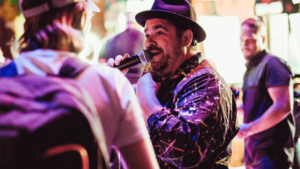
202,73
271,58
206,72
277,72
106,72
205,69
275,61
103,69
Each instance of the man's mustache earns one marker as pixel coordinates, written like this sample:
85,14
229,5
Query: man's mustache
155,48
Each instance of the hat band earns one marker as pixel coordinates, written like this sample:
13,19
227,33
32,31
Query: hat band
36,10
51,5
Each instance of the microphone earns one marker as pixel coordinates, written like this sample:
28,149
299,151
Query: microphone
143,57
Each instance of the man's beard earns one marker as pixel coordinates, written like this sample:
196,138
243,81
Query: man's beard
161,65
166,61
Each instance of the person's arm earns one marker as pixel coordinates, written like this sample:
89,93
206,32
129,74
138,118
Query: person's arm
146,93
121,115
139,155
176,132
279,110
133,140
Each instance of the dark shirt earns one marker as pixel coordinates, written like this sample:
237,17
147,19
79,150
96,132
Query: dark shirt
198,120
263,72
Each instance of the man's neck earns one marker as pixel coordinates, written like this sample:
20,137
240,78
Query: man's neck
257,56
191,53
187,56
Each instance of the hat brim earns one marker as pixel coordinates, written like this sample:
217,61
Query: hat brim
199,33
93,6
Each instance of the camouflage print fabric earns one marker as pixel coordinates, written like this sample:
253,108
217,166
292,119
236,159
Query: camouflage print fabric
198,121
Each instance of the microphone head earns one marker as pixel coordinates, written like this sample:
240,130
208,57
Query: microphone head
145,56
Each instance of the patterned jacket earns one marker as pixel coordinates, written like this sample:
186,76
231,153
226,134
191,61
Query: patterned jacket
198,121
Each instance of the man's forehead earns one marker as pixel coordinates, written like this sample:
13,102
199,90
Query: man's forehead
248,31
247,28
152,23
160,20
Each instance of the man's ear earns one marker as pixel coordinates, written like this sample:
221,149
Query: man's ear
264,39
187,38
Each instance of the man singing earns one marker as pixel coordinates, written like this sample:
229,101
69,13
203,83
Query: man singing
191,110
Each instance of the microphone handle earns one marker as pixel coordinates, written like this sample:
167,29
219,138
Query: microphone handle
134,60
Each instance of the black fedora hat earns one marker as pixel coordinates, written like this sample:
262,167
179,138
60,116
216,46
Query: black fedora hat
180,11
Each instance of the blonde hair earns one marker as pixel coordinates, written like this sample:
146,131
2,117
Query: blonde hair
58,29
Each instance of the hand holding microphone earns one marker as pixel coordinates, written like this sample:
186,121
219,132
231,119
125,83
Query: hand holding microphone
125,62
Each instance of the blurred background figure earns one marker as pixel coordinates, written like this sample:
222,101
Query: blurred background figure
129,41
268,127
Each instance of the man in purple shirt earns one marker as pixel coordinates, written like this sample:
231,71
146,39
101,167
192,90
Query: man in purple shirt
269,125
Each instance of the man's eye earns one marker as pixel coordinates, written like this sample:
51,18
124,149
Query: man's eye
159,33
250,40
146,36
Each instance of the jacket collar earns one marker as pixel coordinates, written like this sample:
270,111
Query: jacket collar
256,59
186,67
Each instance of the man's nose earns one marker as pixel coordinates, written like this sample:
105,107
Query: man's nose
149,42
244,43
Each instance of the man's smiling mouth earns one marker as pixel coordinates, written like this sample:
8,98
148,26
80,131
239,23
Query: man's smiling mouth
155,53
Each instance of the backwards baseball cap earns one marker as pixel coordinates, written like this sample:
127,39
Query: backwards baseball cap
46,5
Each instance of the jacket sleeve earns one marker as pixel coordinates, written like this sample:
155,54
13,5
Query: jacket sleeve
180,134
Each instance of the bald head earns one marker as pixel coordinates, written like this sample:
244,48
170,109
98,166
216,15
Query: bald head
256,26
253,37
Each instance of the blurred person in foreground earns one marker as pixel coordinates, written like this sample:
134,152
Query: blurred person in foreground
268,127
191,110
129,41
54,32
